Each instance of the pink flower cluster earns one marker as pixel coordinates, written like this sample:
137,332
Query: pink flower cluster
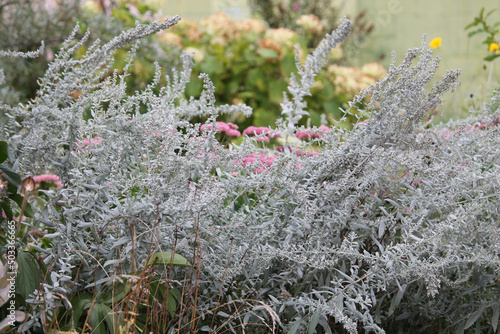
311,134
89,142
262,158
447,133
229,128
49,178
257,131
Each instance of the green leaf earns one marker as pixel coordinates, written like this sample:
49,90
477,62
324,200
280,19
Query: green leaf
491,57
211,65
489,13
333,108
175,293
287,66
27,278
117,293
80,303
256,78
166,258
263,117
171,304
246,95
472,33
10,176
6,208
108,315
474,23
28,211
302,41
123,14
98,318
142,7
267,53
3,151
276,89
193,88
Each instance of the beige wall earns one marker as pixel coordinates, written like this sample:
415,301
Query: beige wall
199,9
399,26
401,23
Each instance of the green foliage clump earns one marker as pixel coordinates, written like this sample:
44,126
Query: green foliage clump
491,30
252,64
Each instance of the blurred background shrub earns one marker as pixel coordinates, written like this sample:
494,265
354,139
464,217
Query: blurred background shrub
24,24
247,59
296,16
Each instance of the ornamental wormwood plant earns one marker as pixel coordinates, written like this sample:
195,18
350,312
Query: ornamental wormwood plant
391,225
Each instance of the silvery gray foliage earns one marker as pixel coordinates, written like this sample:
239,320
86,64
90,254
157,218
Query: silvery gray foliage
294,111
390,225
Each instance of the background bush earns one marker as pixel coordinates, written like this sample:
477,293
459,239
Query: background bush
247,60
252,64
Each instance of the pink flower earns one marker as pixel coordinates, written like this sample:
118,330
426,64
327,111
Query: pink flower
252,130
233,132
324,128
303,135
360,124
89,143
311,134
48,178
263,159
247,160
296,6
229,128
263,139
308,153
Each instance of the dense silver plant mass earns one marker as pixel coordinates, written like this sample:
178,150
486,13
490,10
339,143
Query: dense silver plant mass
389,212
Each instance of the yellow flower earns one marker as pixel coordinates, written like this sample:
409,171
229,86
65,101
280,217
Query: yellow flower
436,42
494,47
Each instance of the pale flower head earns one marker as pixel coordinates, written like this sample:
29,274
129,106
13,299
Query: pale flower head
252,26
281,35
267,43
220,26
92,7
336,53
186,24
374,70
349,81
188,28
193,35
311,24
198,54
170,38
